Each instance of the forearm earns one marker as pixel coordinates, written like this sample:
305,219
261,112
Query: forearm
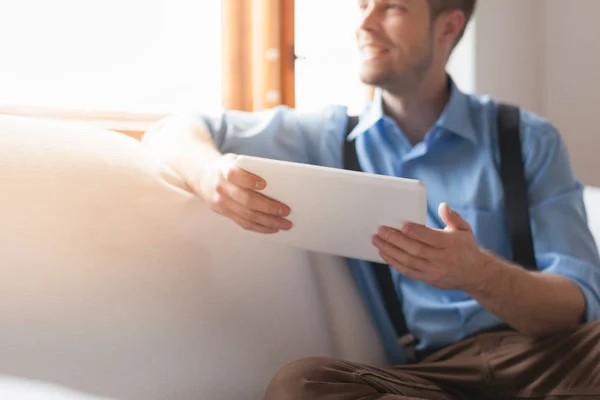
531,302
185,145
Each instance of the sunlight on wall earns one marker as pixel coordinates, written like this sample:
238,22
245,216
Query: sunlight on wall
462,62
126,55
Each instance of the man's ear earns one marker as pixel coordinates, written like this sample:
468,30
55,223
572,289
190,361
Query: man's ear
449,26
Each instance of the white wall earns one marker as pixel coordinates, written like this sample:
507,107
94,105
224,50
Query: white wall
572,80
509,51
545,56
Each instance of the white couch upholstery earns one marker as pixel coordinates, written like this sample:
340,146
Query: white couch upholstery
117,282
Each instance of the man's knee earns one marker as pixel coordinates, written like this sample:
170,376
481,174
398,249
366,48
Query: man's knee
291,381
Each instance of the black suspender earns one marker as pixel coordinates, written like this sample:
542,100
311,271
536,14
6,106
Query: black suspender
512,173
381,272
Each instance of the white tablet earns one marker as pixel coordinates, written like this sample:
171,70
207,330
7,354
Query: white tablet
335,211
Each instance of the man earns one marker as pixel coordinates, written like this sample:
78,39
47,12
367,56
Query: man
491,329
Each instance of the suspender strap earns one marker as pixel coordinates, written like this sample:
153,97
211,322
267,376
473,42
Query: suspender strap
512,172
382,272
350,158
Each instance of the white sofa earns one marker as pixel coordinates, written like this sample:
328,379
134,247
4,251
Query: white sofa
115,281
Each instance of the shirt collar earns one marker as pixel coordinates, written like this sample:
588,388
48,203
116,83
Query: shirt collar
455,118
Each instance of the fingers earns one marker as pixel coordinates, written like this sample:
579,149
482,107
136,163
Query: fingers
258,217
408,265
255,201
432,237
242,189
254,207
452,219
251,210
401,256
242,178
232,193
413,247
407,271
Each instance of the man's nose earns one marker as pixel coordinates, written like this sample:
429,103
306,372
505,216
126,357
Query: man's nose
369,19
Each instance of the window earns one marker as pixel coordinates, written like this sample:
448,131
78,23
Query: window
327,64
131,56
126,63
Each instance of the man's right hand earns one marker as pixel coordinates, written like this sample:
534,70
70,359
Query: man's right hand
232,192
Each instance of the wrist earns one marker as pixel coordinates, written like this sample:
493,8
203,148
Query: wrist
485,273
200,170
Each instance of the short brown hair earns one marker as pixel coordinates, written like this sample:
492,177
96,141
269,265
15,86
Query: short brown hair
438,7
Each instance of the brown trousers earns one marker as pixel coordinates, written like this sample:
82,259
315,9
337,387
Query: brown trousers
499,365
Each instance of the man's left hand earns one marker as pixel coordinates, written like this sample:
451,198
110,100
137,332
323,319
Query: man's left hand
446,259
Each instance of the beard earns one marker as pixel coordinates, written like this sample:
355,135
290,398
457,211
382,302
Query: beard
400,74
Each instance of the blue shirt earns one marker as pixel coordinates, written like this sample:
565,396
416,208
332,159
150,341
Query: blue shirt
458,162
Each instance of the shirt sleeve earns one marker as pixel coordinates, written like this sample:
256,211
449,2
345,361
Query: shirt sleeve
281,133
563,242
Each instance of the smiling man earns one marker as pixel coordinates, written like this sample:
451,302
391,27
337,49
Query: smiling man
479,326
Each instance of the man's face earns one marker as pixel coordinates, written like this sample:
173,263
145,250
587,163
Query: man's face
395,42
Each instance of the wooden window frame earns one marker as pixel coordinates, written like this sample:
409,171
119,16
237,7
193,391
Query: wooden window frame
288,63
258,54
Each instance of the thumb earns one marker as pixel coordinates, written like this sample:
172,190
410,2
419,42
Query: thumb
452,219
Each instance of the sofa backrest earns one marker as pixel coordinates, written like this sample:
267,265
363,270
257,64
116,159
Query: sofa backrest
117,281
